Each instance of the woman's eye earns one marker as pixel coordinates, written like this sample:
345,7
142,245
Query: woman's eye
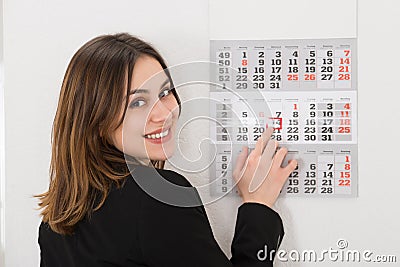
165,92
137,103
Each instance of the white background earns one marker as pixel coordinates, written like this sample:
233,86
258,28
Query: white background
40,38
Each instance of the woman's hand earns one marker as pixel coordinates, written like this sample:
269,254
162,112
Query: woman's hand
259,176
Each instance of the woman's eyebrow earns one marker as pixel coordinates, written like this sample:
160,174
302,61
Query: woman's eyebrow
137,91
146,91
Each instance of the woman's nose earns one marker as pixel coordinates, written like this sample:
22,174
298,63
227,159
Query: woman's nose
160,112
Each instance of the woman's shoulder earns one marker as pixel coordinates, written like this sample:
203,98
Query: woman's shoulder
165,186
146,172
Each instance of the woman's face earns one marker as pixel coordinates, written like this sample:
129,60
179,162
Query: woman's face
148,130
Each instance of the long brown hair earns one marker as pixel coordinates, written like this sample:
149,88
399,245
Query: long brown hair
84,161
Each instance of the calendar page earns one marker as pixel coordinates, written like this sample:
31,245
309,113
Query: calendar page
306,90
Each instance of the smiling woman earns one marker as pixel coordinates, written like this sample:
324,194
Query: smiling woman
150,119
113,130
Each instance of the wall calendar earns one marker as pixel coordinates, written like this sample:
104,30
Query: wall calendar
307,90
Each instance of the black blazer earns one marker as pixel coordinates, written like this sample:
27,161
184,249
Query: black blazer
134,229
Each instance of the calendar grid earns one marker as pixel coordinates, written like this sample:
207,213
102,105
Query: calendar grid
306,90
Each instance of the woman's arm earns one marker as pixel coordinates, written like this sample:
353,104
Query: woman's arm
182,236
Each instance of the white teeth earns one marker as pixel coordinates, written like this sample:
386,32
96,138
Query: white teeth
157,135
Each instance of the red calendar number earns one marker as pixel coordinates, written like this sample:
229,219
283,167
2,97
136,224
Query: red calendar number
309,77
293,77
344,129
244,62
344,113
345,60
345,122
346,53
344,77
344,182
345,175
347,106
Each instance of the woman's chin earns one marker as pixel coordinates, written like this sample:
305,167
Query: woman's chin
162,156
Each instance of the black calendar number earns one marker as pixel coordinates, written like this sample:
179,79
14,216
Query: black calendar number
327,121
241,137
310,61
326,182
258,85
258,78
310,137
309,130
276,61
274,77
241,78
327,130
223,70
243,129
276,69
242,70
241,85
293,130
276,137
292,190
224,78
309,190
326,69
225,62
293,138
310,181
224,55
327,113
274,85
326,138
326,77
259,70
310,121
326,190
310,69
258,129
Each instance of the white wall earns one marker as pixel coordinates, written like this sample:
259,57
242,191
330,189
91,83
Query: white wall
41,37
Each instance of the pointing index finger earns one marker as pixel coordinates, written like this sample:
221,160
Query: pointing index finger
263,140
